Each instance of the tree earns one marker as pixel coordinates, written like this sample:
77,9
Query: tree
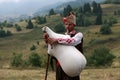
80,20
67,10
94,5
86,8
40,20
5,23
98,12
98,19
52,12
4,33
80,10
96,8
30,25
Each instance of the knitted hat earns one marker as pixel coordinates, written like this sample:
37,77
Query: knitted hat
70,19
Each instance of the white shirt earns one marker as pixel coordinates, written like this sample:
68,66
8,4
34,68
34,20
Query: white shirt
75,40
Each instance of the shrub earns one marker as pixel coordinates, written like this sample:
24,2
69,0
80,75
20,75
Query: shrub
4,33
105,29
8,33
18,28
100,57
112,20
87,22
33,47
35,60
41,20
59,28
17,60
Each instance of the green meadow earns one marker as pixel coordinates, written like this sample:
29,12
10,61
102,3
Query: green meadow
20,42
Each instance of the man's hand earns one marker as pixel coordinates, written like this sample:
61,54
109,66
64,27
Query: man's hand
52,40
45,37
49,40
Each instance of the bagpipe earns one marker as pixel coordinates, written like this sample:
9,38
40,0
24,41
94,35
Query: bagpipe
71,60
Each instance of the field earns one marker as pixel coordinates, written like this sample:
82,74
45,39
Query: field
20,42
39,74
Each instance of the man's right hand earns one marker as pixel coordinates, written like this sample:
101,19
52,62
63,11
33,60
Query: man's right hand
45,37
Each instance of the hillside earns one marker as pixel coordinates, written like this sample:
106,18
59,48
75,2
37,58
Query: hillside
20,42
58,7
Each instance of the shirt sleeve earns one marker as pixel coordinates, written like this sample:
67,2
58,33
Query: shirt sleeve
71,41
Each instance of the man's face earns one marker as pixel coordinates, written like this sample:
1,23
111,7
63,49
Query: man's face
69,26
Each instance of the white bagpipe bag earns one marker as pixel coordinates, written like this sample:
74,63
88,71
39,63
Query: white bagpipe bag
71,60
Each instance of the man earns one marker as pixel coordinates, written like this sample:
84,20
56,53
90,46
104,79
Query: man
75,40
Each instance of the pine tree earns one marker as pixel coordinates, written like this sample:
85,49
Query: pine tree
41,20
99,9
94,5
30,25
87,8
96,8
52,12
99,19
80,20
80,10
67,10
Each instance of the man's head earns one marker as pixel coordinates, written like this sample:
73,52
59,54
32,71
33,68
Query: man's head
70,22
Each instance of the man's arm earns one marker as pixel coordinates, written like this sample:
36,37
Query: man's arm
67,41
71,41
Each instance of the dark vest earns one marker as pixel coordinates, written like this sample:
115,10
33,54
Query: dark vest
80,45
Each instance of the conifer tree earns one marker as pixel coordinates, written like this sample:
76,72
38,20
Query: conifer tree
67,10
94,5
99,19
87,8
52,12
41,20
80,20
30,25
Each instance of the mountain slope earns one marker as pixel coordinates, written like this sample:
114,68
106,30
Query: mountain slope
21,42
58,7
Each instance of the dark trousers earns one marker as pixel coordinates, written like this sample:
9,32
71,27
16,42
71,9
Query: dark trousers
60,75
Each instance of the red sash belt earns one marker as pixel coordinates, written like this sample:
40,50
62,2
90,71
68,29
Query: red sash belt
58,64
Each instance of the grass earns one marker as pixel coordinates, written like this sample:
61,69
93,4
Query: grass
20,42
110,8
39,74
111,41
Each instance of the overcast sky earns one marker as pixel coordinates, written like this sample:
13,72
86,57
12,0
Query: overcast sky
8,7
44,2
